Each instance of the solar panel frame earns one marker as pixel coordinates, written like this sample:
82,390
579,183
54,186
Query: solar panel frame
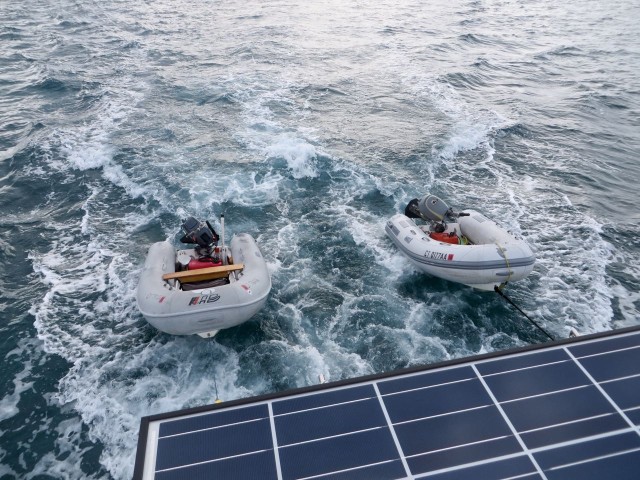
517,444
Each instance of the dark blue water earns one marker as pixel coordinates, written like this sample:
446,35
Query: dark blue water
307,124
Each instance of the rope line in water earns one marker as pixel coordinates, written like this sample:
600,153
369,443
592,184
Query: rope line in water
499,291
215,381
215,384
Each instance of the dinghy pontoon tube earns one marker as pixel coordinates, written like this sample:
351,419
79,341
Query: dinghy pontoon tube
206,288
469,249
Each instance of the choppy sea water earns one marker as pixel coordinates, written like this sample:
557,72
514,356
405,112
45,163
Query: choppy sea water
307,124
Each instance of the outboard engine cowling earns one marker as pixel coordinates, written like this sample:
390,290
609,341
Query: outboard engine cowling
200,233
433,208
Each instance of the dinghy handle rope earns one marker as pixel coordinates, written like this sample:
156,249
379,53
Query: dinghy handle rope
504,254
498,290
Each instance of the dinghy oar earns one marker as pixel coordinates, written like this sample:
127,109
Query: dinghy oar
499,291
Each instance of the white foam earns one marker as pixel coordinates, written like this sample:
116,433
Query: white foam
88,317
299,155
9,402
571,286
68,445
368,233
471,125
116,376
571,282
246,190
270,135
405,339
5,470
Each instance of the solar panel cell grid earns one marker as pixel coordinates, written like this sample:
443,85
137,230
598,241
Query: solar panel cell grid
633,416
451,431
617,467
210,444
519,467
624,392
609,366
223,417
337,454
428,402
557,408
529,416
425,380
607,446
522,361
256,465
330,421
573,431
463,455
333,397
536,380
605,345
385,470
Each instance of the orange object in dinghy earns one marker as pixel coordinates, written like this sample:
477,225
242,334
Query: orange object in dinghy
445,237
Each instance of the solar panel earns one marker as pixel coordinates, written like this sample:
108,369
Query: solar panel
567,410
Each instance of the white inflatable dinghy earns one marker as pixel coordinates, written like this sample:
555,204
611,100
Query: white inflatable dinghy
204,289
468,249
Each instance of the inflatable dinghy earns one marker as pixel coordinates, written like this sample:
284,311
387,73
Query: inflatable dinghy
464,247
204,289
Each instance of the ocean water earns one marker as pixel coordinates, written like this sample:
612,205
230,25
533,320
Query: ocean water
307,124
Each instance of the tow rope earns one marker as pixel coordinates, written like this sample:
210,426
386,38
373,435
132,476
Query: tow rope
498,290
215,384
215,381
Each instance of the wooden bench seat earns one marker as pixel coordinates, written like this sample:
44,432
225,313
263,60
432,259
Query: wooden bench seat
202,274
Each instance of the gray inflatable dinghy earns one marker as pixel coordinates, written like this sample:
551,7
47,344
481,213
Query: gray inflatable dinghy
469,249
204,289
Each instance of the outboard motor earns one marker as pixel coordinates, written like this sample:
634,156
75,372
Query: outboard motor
434,208
412,210
200,233
428,208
